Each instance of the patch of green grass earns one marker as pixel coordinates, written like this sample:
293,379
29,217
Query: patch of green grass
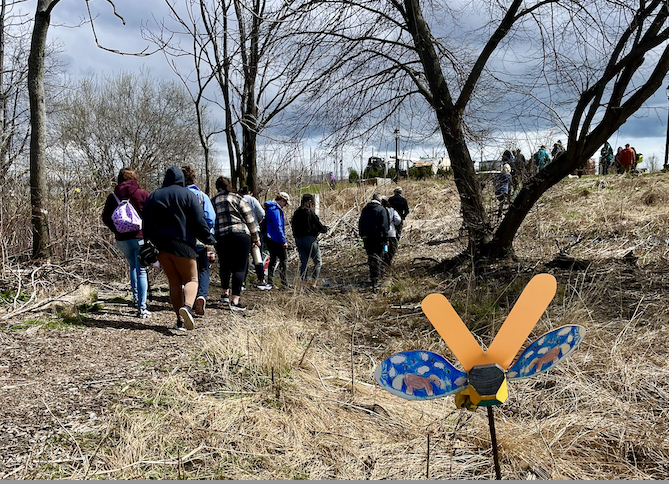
27,324
397,287
8,296
90,307
147,363
162,400
50,325
571,215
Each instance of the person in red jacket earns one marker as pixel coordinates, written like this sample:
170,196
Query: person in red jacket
130,242
626,159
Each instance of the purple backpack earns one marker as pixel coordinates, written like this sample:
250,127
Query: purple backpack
125,217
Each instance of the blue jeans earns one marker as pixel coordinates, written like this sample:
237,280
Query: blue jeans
202,272
139,283
308,248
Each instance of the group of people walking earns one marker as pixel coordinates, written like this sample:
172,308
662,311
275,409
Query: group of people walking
625,159
188,229
380,226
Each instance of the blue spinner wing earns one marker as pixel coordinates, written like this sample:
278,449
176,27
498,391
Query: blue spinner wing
419,375
546,351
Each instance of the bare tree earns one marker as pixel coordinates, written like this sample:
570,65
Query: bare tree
38,158
547,63
128,120
38,188
258,62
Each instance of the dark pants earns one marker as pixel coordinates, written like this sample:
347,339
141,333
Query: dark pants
392,250
374,249
233,257
202,272
398,229
308,248
276,253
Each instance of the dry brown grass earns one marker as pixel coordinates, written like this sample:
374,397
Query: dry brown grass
286,390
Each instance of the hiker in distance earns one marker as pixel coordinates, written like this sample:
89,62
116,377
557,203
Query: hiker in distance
236,232
205,254
373,228
400,204
306,227
129,241
174,221
394,222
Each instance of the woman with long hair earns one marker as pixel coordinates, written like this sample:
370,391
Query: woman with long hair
129,243
306,227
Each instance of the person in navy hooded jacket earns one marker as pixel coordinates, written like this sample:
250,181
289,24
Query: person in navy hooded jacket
174,221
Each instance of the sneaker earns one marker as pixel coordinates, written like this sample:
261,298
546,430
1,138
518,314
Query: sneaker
243,287
144,314
187,315
264,286
237,307
179,327
200,303
225,299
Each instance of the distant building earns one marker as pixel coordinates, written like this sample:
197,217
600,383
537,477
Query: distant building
434,163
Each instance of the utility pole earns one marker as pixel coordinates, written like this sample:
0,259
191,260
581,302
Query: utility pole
397,160
666,143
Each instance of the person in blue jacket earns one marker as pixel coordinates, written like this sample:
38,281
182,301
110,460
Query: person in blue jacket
275,237
203,252
174,221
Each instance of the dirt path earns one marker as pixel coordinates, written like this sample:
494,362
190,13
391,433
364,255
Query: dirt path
57,381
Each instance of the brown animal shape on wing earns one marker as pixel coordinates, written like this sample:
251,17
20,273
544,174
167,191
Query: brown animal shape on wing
416,382
551,357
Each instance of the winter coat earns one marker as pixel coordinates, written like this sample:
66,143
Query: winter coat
256,208
399,203
394,221
275,222
207,207
305,223
174,212
627,157
127,190
373,221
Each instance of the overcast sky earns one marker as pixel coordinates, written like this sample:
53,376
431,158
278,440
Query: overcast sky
646,131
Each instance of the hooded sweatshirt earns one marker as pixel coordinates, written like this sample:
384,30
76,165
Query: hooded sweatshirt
127,190
173,217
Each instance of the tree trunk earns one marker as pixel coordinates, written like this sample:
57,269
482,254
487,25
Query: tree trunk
38,188
450,124
3,94
249,156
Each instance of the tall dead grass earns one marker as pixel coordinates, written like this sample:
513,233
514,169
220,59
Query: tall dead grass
286,391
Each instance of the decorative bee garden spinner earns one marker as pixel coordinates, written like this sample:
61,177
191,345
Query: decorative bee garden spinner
423,375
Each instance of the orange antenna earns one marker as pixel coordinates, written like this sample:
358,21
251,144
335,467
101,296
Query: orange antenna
523,317
452,330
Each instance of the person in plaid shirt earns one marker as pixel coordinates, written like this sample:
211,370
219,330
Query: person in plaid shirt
236,231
